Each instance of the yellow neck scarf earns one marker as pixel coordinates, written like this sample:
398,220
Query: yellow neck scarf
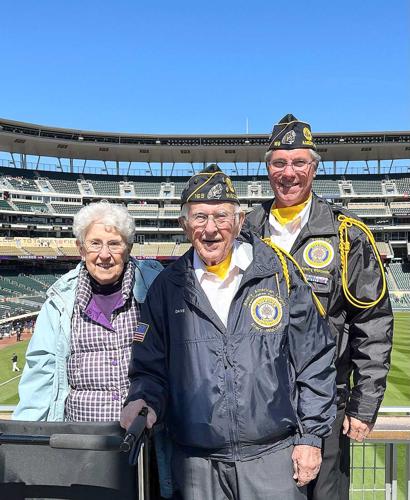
221,269
287,214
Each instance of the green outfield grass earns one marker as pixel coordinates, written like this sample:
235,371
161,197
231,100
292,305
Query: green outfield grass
398,387
9,380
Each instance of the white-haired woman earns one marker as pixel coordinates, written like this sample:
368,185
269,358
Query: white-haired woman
77,360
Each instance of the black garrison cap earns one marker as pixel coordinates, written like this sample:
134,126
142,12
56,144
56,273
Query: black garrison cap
211,184
290,133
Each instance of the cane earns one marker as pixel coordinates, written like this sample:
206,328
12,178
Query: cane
135,436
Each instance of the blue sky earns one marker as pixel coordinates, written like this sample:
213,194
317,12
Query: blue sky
186,67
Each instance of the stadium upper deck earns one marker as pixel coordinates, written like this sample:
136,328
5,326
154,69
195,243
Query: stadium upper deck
38,200
34,205
31,139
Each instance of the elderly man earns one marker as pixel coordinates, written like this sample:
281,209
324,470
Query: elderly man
339,258
235,357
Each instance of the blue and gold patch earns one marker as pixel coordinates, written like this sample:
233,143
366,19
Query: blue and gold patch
266,311
318,254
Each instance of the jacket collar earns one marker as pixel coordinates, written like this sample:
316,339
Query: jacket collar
181,272
321,219
64,289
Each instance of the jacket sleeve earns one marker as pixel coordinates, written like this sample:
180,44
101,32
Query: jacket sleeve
36,384
148,364
370,332
312,353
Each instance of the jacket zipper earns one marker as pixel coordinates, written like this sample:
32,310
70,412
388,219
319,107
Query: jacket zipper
233,433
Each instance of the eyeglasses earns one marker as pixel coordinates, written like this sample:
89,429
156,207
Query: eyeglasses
96,246
295,164
220,220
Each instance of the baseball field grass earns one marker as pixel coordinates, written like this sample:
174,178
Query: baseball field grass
9,380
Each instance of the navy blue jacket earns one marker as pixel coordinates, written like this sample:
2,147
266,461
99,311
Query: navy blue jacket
235,393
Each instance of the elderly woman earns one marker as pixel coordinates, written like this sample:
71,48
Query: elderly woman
77,360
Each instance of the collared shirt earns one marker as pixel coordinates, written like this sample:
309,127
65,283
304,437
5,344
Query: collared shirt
220,292
285,236
97,367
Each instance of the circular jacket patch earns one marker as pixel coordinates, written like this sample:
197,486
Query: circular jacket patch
318,254
266,311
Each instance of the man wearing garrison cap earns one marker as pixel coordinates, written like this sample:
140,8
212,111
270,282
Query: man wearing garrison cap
338,256
237,361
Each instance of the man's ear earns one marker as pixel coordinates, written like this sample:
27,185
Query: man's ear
240,222
182,222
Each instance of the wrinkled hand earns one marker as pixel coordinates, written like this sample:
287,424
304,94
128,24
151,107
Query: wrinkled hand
306,463
131,411
356,429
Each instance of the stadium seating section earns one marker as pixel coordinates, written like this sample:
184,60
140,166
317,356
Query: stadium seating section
23,294
147,188
54,198
144,210
369,209
367,187
64,186
400,208
106,188
400,274
65,208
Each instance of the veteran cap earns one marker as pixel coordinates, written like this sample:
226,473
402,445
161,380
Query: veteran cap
211,184
290,133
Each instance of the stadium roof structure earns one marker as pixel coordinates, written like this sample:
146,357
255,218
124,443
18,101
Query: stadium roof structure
31,139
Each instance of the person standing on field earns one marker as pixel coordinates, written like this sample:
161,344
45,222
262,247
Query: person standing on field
14,360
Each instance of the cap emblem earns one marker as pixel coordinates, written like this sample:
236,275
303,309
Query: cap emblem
289,137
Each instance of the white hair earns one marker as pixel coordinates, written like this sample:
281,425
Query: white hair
185,209
315,156
116,216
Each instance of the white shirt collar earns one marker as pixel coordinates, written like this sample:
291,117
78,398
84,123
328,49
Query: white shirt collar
242,257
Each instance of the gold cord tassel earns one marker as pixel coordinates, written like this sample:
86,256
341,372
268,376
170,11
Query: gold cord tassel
344,247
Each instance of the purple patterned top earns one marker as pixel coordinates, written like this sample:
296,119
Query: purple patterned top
100,352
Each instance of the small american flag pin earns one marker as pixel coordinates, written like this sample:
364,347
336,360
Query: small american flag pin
140,332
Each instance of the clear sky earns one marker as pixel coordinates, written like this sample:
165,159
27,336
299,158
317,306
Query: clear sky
206,67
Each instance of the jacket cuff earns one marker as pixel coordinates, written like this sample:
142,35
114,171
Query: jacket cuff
309,439
364,409
152,404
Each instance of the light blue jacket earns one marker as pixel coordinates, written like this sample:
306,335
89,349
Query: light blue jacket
43,388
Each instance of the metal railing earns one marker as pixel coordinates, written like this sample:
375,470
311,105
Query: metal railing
380,467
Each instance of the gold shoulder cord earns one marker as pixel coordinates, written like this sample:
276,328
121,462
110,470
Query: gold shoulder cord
344,247
281,253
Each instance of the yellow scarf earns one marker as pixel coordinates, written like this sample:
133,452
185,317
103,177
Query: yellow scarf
287,214
221,269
